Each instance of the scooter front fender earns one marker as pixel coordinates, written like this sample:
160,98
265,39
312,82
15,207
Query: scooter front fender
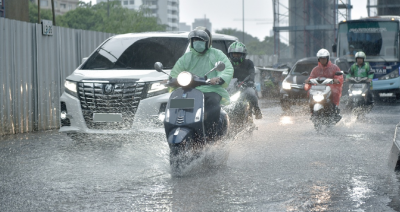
318,107
179,134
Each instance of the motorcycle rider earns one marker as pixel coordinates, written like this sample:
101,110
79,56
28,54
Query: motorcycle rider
198,61
327,69
361,68
244,68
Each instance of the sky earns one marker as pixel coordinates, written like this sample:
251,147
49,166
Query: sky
258,14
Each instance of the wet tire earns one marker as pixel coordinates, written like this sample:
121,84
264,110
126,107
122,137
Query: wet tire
180,156
285,106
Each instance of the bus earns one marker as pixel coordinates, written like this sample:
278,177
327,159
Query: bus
378,37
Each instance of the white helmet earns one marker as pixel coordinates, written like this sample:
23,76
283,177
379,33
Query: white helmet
360,54
323,53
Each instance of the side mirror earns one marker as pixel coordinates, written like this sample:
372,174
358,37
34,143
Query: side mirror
371,72
220,66
305,73
338,73
84,59
347,72
158,66
334,48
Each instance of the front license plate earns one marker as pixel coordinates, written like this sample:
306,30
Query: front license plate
181,103
107,117
385,94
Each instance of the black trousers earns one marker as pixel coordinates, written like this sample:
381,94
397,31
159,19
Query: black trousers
251,96
212,110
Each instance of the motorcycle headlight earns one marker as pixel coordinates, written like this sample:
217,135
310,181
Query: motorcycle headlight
235,96
157,88
70,87
356,92
286,85
318,97
184,78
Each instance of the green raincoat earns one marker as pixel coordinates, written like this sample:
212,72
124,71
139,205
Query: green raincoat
199,64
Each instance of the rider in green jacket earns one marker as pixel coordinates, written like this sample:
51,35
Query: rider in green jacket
199,60
361,69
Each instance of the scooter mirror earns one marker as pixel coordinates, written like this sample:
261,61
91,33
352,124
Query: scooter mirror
305,73
220,66
371,72
339,73
158,66
345,72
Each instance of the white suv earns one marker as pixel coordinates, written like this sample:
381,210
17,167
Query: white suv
117,89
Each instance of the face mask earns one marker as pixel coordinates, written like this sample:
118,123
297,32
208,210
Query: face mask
199,46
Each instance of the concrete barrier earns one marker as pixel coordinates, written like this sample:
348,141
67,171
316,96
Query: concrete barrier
394,156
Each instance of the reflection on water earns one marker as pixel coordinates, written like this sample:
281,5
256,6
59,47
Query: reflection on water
285,120
358,190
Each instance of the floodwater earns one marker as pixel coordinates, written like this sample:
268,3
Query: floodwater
284,166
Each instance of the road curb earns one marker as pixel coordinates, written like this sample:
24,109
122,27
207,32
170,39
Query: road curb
395,150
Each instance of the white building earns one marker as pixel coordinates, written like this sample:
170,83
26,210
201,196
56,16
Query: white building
60,6
167,11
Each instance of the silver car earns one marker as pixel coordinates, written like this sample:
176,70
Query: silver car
117,90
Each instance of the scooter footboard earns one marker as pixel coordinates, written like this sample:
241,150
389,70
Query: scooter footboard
179,134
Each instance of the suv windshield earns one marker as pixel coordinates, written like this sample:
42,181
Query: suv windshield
303,67
137,53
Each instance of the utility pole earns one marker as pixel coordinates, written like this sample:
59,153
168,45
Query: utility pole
38,14
243,18
52,11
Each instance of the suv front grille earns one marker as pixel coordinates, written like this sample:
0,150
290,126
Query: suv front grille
121,98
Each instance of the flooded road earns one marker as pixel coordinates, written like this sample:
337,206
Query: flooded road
284,166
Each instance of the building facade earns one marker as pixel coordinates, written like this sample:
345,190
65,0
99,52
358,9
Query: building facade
205,22
60,6
167,11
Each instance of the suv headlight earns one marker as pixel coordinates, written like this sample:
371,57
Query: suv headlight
391,75
286,85
70,87
157,88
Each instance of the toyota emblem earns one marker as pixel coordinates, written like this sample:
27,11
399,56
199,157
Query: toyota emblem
108,88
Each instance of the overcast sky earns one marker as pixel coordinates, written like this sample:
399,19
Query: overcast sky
258,14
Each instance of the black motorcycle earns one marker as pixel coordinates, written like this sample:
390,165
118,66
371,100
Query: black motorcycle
358,102
239,110
184,118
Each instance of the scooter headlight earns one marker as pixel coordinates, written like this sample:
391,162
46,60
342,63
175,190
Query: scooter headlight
184,78
318,97
356,92
235,97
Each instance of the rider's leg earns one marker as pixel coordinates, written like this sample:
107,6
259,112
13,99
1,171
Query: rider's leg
370,97
251,96
212,109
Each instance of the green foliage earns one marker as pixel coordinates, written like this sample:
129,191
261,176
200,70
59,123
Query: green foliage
239,34
253,45
103,17
33,13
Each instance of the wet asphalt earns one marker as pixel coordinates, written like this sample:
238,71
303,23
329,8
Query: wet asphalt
285,165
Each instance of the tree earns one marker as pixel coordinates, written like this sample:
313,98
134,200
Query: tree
120,20
95,17
253,45
33,13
